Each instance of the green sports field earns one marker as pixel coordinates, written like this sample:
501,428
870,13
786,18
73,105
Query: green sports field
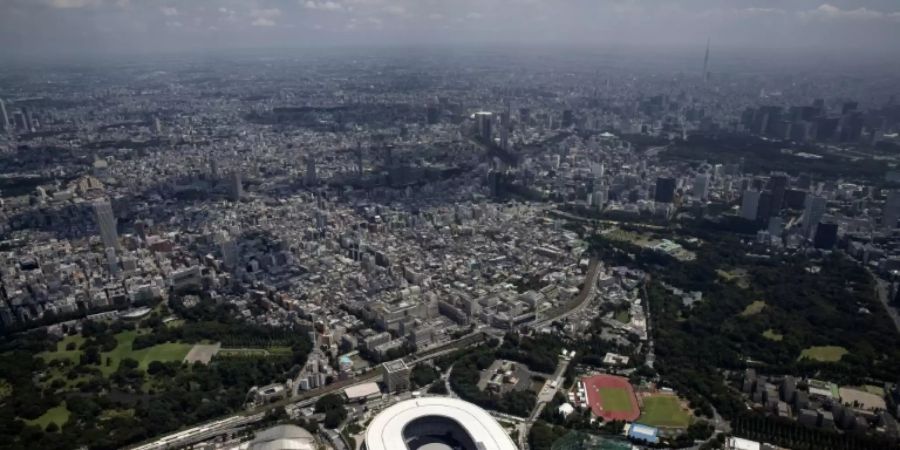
664,411
615,399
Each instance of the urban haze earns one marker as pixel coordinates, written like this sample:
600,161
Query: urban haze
449,224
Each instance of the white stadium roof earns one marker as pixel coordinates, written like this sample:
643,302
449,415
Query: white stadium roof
386,431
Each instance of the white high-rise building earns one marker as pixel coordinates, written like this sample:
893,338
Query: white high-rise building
749,205
106,221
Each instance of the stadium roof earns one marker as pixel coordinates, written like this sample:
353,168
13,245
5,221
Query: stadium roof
385,432
283,437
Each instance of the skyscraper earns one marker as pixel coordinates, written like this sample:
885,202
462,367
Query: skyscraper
29,123
504,128
236,187
665,190
826,235
4,117
483,119
106,221
701,186
311,177
749,204
777,185
812,214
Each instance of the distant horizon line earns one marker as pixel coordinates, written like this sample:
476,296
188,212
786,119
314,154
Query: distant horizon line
719,52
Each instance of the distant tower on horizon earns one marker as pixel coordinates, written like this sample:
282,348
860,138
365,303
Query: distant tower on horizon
706,62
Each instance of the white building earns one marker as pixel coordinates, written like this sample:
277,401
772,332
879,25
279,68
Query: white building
436,423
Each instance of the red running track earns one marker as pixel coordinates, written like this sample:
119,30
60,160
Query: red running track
593,383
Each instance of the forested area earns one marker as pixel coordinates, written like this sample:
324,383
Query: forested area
110,407
807,303
464,382
790,434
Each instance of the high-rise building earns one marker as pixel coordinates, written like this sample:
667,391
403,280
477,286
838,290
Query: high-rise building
311,177
29,122
214,169
749,204
432,114
396,376
812,214
568,118
777,185
504,130
701,186
826,235
764,210
483,120
112,260
106,221
665,190
4,117
19,121
891,210
236,187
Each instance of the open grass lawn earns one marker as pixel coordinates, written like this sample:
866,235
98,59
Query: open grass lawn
739,276
615,399
773,335
58,415
124,349
826,353
62,353
177,323
664,411
754,308
163,352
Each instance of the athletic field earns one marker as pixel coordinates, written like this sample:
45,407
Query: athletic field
611,397
664,411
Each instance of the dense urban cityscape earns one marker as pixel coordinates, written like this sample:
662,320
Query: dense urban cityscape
434,249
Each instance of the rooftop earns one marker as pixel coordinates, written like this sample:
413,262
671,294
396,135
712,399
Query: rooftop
389,429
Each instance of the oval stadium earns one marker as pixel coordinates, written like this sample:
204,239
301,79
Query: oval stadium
436,423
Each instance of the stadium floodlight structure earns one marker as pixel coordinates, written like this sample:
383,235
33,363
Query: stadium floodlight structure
436,423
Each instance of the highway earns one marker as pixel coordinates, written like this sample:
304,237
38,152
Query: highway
583,299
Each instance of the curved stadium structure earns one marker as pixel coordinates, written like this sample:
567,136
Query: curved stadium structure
436,423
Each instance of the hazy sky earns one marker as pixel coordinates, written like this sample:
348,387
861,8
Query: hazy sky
74,26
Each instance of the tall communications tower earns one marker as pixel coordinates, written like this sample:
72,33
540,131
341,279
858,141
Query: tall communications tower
706,63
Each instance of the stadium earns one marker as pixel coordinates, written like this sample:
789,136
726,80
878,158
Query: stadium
436,423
